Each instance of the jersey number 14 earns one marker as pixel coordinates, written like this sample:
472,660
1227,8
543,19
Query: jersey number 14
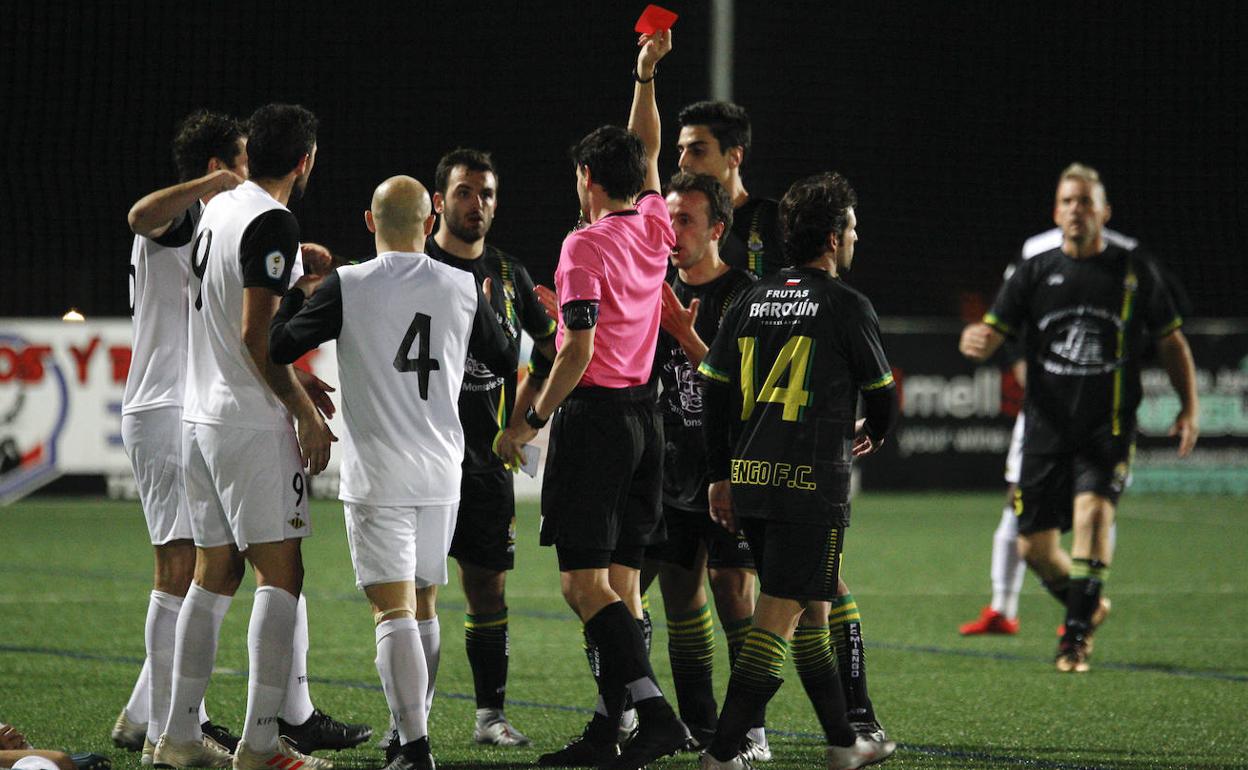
792,363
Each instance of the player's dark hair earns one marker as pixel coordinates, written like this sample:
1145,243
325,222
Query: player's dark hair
473,160
718,204
278,136
728,122
202,136
616,159
813,209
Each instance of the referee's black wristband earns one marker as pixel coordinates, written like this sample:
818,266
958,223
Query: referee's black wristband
637,75
535,422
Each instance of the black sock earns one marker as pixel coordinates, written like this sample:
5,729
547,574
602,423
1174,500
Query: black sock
1087,577
606,719
755,679
691,650
845,627
1058,588
816,666
624,663
488,646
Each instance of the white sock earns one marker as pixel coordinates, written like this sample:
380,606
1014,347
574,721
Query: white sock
431,641
404,673
136,707
1008,570
1113,538
269,638
159,635
203,713
194,653
298,706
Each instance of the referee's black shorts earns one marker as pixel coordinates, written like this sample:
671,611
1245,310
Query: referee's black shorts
603,484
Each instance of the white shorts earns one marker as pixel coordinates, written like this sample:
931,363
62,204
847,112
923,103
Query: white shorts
153,441
244,486
1014,457
392,544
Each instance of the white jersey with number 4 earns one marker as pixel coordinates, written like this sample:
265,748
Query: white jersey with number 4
223,385
406,321
159,269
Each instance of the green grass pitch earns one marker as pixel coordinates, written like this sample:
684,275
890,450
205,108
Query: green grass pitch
1168,688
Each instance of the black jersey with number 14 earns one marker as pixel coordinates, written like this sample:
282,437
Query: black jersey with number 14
798,347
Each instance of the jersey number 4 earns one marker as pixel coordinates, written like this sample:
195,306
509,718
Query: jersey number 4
422,364
200,265
792,363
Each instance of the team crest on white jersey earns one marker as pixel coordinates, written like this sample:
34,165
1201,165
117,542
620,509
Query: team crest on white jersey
275,263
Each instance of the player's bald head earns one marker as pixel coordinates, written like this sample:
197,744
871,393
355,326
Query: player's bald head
400,207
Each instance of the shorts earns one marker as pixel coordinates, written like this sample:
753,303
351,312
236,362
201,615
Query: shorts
796,560
1014,457
1049,482
603,486
485,533
153,441
244,486
393,544
687,531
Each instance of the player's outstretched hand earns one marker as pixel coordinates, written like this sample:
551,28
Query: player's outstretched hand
315,438
550,302
863,445
316,259
1187,428
976,341
676,319
654,46
720,495
318,390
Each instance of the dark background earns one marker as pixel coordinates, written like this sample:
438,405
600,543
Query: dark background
952,120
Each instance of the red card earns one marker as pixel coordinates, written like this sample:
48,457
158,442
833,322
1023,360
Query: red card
655,19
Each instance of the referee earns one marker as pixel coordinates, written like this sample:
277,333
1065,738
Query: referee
606,428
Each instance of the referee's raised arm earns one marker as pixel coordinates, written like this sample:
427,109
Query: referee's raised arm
643,118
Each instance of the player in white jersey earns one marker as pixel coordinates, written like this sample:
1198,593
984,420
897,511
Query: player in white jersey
403,322
243,466
1008,568
209,151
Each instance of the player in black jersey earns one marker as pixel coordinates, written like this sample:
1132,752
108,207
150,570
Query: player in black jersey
485,534
1087,312
715,139
784,376
699,295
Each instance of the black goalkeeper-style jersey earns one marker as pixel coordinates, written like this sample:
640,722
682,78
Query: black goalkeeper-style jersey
798,347
684,457
754,242
486,397
1085,325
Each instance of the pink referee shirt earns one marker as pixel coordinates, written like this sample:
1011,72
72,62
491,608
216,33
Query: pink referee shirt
620,262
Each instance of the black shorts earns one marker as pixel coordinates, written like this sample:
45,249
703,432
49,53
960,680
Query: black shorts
1049,483
687,530
604,471
796,560
485,532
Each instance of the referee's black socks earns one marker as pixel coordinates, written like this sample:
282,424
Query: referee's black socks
624,664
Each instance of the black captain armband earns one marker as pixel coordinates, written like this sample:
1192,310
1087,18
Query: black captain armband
580,314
